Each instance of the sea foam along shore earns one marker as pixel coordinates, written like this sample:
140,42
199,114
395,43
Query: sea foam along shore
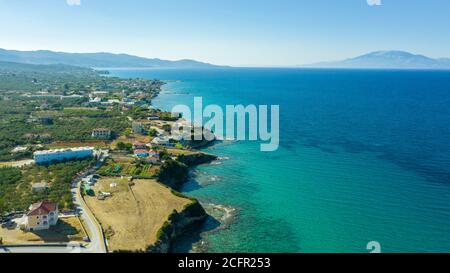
192,218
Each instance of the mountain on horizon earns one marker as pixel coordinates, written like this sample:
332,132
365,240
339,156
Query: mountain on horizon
388,59
95,60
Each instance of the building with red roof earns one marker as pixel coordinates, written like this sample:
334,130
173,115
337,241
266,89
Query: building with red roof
41,216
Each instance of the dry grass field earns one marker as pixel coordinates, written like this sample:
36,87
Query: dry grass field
72,144
67,229
176,152
133,215
17,164
131,139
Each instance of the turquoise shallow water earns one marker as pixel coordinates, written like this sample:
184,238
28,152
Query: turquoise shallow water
364,156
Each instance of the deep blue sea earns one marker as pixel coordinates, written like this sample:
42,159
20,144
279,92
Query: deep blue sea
364,156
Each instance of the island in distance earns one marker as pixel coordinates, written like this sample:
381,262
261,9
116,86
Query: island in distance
388,59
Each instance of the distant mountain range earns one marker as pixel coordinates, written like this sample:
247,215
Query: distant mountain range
388,59
94,60
378,59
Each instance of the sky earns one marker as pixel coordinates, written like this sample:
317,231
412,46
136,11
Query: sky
229,32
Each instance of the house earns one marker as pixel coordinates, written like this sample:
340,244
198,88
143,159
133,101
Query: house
162,141
100,94
95,101
139,146
73,96
102,133
44,106
46,120
41,216
152,159
58,155
138,128
141,153
39,187
153,118
114,101
19,149
176,115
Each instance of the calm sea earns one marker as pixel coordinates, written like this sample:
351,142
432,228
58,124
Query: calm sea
364,156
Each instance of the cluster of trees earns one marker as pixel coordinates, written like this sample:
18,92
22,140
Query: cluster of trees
9,176
30,78
173,173
17,80
124,146
137,169
65,79
15,184
17,129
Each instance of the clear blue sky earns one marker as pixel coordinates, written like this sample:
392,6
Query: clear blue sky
234,32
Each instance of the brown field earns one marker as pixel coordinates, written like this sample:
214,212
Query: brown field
17,163
92,143
127,167
122,157
132,217
67,230
81,108
131,139
175,152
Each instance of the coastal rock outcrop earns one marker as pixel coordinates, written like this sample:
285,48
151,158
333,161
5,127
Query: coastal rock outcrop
196,159
192,216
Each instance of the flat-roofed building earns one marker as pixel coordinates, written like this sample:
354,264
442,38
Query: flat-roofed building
49,156
138,128
102,133
39,187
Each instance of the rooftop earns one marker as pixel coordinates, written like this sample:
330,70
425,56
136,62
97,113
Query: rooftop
79,149
139,151
42,208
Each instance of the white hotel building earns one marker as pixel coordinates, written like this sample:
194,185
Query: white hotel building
45,157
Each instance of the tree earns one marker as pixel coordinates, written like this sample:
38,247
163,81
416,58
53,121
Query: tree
178,145
167,128
122,146
153,132
127,132
173,173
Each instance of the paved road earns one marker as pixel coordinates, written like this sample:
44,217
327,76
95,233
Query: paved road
96,244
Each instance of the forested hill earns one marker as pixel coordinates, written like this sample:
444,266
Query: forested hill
102,59
27,77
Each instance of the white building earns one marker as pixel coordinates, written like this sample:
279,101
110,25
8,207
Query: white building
163,141
102,133
39,187
45,157
101,94
95,100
